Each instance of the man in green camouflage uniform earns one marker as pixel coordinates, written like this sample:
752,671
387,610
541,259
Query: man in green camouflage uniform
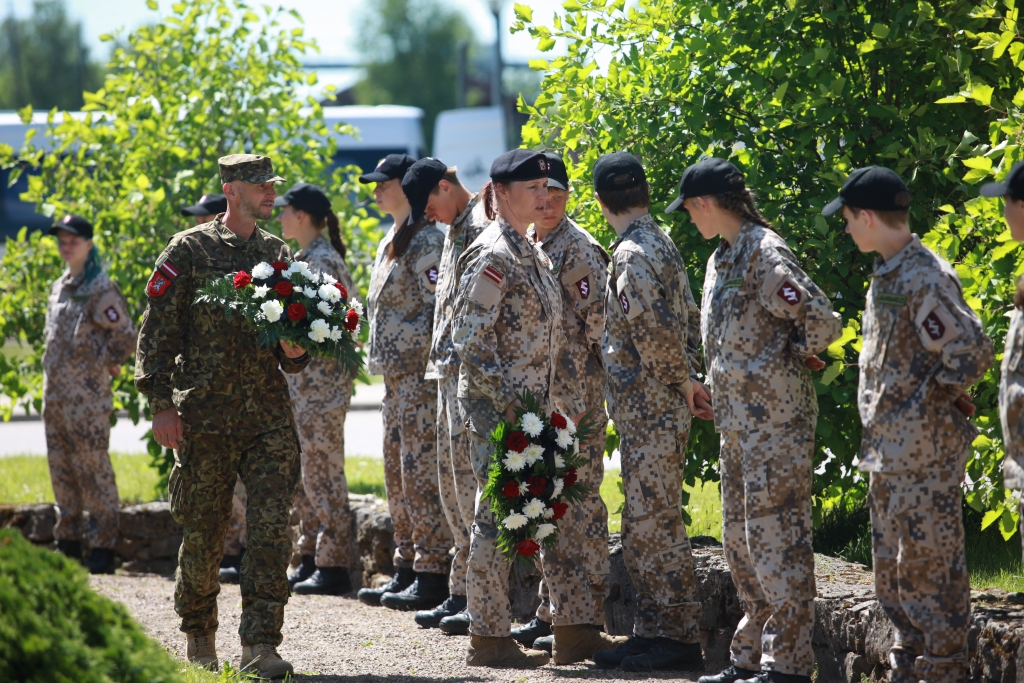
221,401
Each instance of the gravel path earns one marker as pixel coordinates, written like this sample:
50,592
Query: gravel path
338,639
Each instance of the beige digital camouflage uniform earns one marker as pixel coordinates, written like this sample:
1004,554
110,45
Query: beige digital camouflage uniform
321,395
761,318
580,557
509,332
923,347
650,349
401,314
1011,406
88,330
456,480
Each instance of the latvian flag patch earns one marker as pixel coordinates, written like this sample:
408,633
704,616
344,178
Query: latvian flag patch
163,276
494,275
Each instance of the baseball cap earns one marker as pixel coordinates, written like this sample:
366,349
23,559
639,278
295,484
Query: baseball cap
618,171
558,177
1012,184
208,205
306,197
249,168
873,187
519,165
419,181
76,225
390,167
709,176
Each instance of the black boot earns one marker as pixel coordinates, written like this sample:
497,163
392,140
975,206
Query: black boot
402,579
544,643
230,569
426,592
306,568
325,581
101,561
537,628
776,677
731,675
71,549
432,618
666,655
610,659
456,625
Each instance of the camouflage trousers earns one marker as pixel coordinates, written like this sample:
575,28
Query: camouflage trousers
766,532
326,519
200,490
655,546
921,578
234,542
77,438
456,481
422,536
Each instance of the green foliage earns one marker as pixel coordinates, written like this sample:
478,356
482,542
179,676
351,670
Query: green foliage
798,94
53,627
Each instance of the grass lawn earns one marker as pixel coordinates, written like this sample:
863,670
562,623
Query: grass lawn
705,506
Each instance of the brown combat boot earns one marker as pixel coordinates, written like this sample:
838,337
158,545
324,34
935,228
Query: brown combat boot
578,642
503,652
201,648
263,660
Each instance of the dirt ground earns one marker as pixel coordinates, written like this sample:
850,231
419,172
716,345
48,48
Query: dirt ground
338,639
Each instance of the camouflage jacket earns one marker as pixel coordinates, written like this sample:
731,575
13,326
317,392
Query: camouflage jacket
923,346
761,317
1011,403
400,304
581,265
193,357
509,329
323,385
652,325
444,362
88,330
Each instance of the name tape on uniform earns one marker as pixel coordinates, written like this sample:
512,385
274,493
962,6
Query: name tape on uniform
733,283
892,299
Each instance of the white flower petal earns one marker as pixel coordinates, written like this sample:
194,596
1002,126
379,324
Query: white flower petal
324,308
559,485
329,293
309,291
514,462
272,310
515,521
261,291
563,438
532,425
545,530
262,270
534,509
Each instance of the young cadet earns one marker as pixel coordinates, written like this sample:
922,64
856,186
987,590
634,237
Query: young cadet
581,555
651,357
1011,374
508,329
763,321
923,348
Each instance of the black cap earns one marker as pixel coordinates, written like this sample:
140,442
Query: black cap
419,181
390,167
872,187
306,197
707,177
1013,184
618,171
519,164
76,225
558,177
208,205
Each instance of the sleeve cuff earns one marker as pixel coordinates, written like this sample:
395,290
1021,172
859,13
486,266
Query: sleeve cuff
158,404
294,365
502,401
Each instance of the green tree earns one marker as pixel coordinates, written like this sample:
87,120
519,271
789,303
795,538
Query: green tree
798,94
43,61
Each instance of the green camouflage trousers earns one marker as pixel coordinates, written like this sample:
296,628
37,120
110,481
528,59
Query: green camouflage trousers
921,578
234,542
766,533
200,488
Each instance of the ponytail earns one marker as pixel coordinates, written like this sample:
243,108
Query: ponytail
93,267
333,231
1018,297
403,236
741,203
490,198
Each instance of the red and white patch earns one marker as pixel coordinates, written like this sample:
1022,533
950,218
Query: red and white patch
162,278
169,269
584,287
432,275
624,300
494,275
789,293
934,327
112,314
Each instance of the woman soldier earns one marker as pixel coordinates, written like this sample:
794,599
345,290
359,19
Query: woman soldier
508,330
400,308
88,336
763,321
320,398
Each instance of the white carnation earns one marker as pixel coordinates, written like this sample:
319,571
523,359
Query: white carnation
328,278
335,333
324,308
329,292
549,513
262,270
544,530
532,424
559,485
309,291
272,310
296,266
261,291
358,306
570,425
563,438
534,509
559,461
524,488
314,278
515,521
533,453
319,330
515,461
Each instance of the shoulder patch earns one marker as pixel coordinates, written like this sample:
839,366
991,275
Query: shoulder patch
493,274
936,326
789,293
111,314
631,306
164,275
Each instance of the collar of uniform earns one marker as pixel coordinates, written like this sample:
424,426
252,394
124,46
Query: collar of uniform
638,224
522,246
70,281
461,219
886,267
725,252
233,240
311,247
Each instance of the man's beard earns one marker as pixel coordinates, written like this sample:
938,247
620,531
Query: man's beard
254,212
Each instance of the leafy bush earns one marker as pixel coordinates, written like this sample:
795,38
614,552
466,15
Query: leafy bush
54,628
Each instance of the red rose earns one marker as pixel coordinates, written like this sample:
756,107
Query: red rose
558,421
242,279
517,442
527,548
560,510
296,312
341,288
569,478
537,485
510,489
278,266
284,288
351,321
